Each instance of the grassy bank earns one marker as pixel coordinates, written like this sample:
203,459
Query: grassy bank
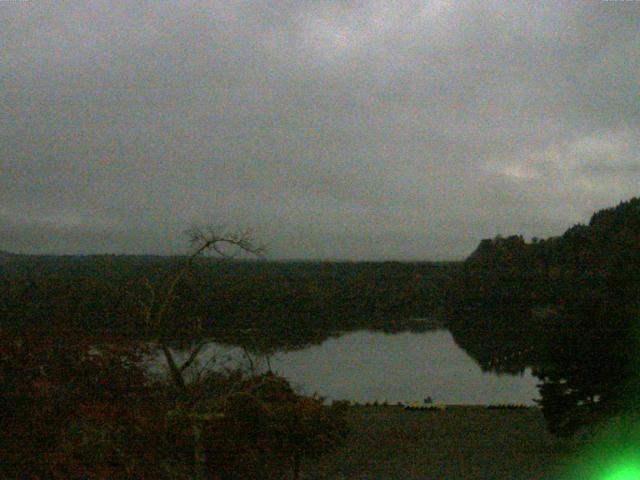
462,442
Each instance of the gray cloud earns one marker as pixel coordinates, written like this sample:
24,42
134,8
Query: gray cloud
338,129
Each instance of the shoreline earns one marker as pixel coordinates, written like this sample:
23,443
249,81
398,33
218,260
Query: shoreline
460,442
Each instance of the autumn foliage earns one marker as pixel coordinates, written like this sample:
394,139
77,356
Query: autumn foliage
264,430
78,407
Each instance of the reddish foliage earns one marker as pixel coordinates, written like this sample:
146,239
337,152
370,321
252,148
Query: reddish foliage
54,382
265,429
71,408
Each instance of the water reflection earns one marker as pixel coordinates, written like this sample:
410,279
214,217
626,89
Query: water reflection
365,366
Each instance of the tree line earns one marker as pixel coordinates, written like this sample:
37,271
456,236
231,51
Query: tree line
291,304
568,306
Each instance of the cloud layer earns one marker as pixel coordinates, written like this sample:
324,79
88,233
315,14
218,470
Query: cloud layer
337,129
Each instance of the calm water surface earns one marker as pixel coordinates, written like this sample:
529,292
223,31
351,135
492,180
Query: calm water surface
366,366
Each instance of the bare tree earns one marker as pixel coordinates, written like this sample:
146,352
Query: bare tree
223,244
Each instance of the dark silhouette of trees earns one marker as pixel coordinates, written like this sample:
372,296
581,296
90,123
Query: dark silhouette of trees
287,305
591,370
162,298
76,407
79,405
568,306
265,430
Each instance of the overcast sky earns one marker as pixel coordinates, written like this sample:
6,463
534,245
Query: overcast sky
336,129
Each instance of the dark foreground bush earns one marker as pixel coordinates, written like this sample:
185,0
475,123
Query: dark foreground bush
72,409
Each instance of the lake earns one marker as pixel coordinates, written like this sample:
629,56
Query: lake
365,366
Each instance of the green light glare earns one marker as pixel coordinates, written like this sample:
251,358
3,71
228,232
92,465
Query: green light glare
627,471
612,454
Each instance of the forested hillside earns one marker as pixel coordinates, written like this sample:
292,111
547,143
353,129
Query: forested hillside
292,302
567,305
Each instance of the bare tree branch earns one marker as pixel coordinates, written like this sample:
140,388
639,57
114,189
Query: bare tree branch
212,238
192,356
176,374
216,238
202,240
